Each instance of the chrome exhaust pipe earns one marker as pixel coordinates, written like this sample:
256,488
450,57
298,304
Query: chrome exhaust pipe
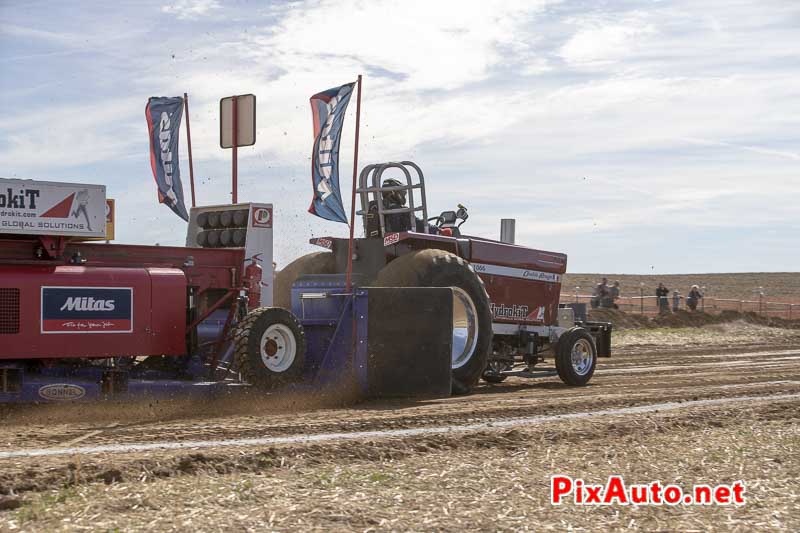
507,227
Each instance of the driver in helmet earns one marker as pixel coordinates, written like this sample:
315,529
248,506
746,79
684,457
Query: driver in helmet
394,222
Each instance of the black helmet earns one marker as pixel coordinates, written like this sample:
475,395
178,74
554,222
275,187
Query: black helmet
393,197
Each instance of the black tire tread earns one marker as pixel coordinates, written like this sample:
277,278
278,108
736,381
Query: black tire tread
563,357
424,268
242,356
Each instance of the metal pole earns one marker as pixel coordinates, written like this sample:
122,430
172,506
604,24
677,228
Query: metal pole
641,300
353,197
189,142
235,117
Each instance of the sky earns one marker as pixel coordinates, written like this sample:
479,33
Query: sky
634,136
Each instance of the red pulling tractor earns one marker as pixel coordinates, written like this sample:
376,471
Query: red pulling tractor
506,306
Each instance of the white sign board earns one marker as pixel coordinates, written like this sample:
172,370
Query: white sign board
29,207
245,121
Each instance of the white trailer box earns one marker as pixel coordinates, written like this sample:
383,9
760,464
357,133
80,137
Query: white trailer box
29,207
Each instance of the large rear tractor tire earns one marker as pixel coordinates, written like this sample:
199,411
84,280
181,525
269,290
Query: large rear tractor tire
270,348
576,357
314,263
472,318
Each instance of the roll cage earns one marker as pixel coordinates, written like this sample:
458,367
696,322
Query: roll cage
370,189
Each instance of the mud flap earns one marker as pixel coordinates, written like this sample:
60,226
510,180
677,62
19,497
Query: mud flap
410,337
601,331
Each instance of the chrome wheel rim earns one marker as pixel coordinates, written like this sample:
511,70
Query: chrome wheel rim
465,328
582,357
278,348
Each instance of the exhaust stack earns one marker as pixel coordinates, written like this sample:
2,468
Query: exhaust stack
507,227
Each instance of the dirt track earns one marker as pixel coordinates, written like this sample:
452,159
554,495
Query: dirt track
640,374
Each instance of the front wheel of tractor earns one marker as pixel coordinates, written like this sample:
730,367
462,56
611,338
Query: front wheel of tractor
576,356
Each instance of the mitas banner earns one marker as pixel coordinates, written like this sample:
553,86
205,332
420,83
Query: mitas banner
328,108
164,122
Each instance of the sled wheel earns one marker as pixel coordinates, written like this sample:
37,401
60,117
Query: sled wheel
314,263
270,348
472,320
576,357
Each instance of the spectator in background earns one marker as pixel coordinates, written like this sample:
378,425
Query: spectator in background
694,297
600,294
662,297
613,295
676,301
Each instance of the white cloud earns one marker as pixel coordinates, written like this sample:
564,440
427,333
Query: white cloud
190,9
677,111
602,40
70,135
22,32
440,45
795,156
416,50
